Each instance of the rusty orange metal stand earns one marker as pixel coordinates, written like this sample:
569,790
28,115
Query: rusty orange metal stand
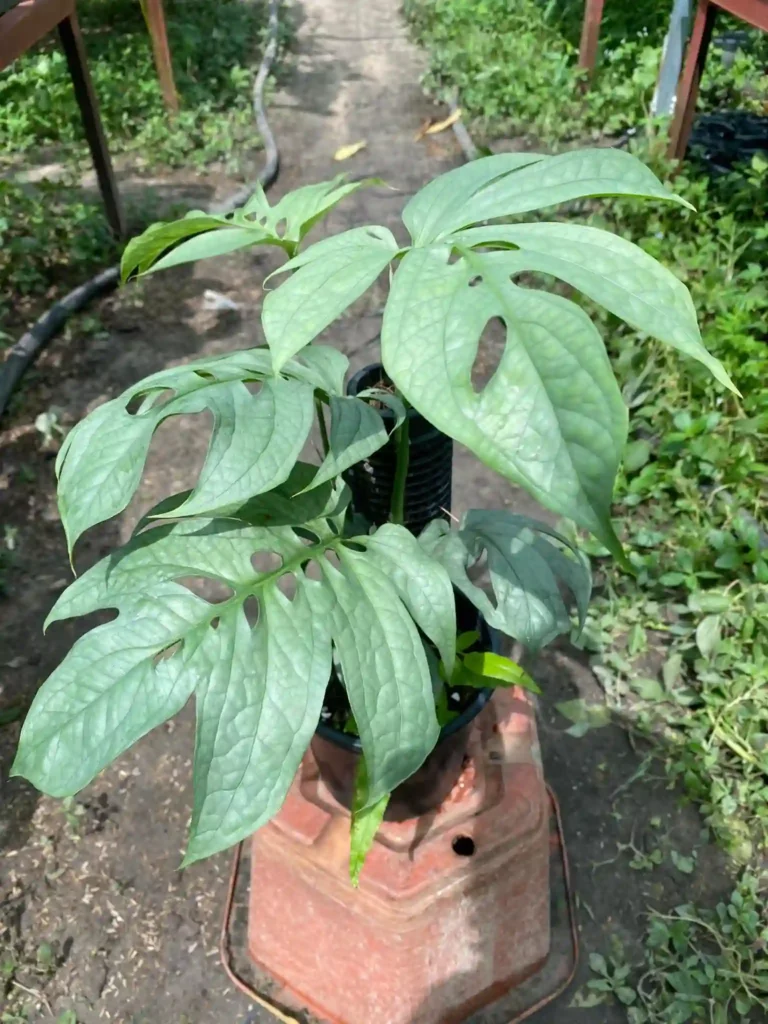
590,34
453,909
753,12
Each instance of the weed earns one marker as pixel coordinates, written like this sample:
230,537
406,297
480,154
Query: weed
214,47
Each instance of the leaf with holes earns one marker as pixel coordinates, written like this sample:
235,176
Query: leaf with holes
258,689
527,563
255,442
326,279
200,235
551,418
613,272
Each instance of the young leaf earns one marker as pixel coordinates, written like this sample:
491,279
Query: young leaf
366,820
327,278
465,640
551,419
495,670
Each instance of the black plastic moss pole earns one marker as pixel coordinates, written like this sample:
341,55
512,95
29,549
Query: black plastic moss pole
430,467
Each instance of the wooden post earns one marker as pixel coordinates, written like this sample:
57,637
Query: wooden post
155,18
72,43
689,84
590,33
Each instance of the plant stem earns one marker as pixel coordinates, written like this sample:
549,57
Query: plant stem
321,420
402,448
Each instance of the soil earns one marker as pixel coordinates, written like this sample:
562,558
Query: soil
95,916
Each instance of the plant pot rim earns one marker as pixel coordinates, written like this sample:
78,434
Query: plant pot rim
353,743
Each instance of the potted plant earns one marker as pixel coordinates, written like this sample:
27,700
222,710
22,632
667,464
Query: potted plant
355,621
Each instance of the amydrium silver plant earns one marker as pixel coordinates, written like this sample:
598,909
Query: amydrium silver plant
376,607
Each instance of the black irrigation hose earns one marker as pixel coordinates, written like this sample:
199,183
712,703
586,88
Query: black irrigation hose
23,354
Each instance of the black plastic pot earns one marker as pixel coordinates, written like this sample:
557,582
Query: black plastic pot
337,753
428,484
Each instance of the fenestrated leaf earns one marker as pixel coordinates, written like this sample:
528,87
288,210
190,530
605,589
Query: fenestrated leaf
365,823
424,213
422,583
259,690
614,272
200,235
256,713
580,173
327,278
550,419
357,431
385,671
288,504
526,572
100,463
255,442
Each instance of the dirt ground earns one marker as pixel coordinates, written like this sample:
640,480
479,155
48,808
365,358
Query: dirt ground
94,913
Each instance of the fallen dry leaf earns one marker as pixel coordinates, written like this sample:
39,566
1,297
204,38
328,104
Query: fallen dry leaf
345,152
433,127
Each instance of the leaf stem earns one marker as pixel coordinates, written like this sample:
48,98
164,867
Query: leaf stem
402,449
321,420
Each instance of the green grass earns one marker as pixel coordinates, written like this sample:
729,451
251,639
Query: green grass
681,646
514,64
215,45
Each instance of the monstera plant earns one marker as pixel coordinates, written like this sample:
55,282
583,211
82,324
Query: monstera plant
372,608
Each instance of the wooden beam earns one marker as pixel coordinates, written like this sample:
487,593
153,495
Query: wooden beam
155,18
590,33
688,91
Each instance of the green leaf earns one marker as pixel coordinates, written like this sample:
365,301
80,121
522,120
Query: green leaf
597,964
423,584
613,272
578,174
357,430
424,214
200,235
327,278
100,463
551,418
366,820
494,669
636,455
584,716
255,442
526,569
708,634
686,865
466,640
194,236
256,712
258,689
384,669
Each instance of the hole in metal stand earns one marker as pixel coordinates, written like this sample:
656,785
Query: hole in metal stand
463,846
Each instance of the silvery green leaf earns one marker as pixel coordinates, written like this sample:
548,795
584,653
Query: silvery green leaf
551,418
296,212
425,213
385,671
258,689
101,460
613,272
322,366
329,276
528,563
578,174
357,430
422,583
255,442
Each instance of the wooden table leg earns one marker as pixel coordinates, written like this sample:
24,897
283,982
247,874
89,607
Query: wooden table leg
685,108
590,33
72,43
155,17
